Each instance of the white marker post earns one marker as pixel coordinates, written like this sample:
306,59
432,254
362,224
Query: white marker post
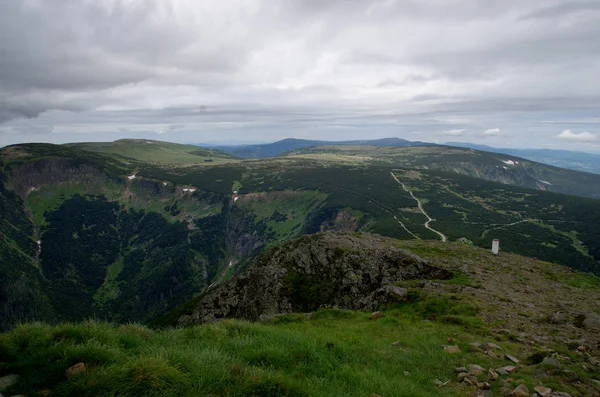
495,246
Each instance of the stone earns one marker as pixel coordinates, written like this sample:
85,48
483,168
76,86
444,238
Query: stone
492,375
375,315
475,369
483,385
551,362
501,371
461,376
592,321
596,382
438,383
505,392
397,343
460,369
557,318
509,368
74,370
520,391
560,394
493,346
406,373
7,381
471,380
581,348
491,353
451,349
543,391
511,358
484,393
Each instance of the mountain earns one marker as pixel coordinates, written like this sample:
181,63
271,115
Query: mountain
279,147
99,234
495,167
451,319
579,161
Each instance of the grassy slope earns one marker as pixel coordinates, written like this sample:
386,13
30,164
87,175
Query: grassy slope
334,352
471,162
156,151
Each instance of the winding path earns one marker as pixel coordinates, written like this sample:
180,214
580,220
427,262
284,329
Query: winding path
429,219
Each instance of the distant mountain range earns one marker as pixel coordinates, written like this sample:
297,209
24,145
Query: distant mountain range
276,148
579,161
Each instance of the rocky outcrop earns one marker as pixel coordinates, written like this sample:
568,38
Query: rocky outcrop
352,271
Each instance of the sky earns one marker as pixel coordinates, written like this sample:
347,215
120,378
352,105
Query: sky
502,73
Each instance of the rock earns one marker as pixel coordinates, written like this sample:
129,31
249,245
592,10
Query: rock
406,373
543,391
592,321
511,358
581,348
560,394
397,343
7,381
75,370
461,376
505,392
596,382
451,349
551,362
460,369
475,369
520,391
484,393
363,268
508,369
557,318
470,380
491,353
501,371
493,346
483,385
492,375
438,383
375,316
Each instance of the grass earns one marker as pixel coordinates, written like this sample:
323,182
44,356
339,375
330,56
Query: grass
156,152
333,353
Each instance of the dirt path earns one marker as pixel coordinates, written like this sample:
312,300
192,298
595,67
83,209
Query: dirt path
429,219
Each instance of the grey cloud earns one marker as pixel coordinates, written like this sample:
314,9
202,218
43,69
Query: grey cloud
256,67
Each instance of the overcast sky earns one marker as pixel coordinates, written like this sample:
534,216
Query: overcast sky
499,72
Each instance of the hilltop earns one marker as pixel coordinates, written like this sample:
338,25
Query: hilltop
504,321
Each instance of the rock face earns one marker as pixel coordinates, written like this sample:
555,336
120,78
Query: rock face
351,271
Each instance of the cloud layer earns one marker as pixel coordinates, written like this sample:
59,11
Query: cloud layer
256,70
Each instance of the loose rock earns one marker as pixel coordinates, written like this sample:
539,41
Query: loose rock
511,358
551,362
438,383
75,370
492,374
451,349
375,316
483,385
475,369
520,391
543,391
7,381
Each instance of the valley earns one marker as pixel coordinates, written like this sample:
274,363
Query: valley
127,238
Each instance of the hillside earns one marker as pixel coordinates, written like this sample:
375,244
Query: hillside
501,323
495,167
578,161
88,234
276,148
150,151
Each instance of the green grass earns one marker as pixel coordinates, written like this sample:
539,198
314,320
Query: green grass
156,152
334,353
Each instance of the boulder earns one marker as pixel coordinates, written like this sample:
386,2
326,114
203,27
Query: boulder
511,358
592,321
451,349
475,369
7,381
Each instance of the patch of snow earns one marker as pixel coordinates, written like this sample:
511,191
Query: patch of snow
509,162
164,183
235,199
148,142
191,190
39,242
504,167
545,182
130,177
235,192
